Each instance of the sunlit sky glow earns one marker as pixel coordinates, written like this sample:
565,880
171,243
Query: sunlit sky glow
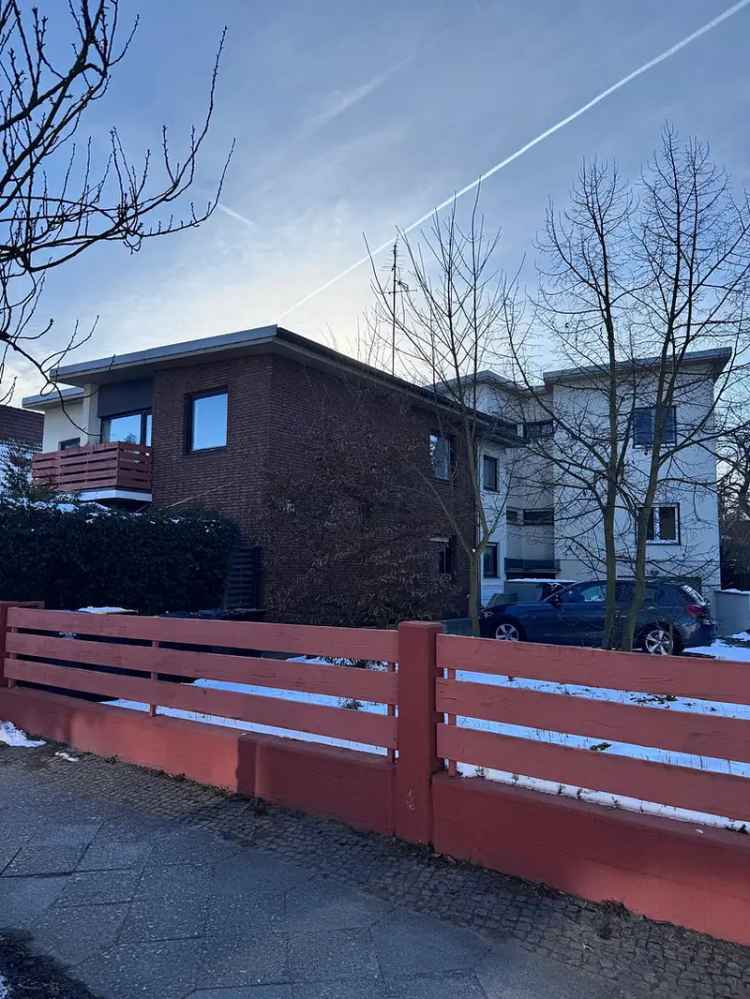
355,119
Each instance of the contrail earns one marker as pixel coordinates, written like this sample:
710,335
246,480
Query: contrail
242,218
662,57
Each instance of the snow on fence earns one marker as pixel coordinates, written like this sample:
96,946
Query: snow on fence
527,714
145,662
673,733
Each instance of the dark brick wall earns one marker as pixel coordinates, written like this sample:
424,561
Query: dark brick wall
231,479
274,404
20,426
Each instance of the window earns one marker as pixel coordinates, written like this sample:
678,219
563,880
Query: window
489,473
207,420
129,428
513,516
584,593
663,525
538,517
441,455
644,425
489,562
537,429
71,442
444,555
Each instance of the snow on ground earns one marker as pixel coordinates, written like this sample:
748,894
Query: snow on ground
4,988
286,695
104,610
18,739
720,649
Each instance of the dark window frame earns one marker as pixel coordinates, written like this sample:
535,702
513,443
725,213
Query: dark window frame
546,517
446,563
495,465
651,526
190,400
437,436
143,433
670,427
493,550
514,515
71,442
542,428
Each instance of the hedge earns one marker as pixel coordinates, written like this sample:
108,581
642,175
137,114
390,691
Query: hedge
77,555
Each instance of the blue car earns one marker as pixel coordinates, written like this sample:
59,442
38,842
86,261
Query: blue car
674,616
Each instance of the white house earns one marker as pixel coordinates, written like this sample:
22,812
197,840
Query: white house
552,526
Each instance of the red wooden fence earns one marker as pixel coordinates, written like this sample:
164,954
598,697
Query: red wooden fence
95,466
680,871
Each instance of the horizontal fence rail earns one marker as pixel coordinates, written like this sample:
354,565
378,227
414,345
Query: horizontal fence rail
95,466
698,734
125,658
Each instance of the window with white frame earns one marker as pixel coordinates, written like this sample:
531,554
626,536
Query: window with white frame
663,526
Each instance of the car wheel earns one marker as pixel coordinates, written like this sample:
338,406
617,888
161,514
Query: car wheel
658,641
506,631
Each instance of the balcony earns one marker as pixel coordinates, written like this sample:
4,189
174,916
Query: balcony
97,471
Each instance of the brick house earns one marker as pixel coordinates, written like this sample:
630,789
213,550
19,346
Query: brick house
19,428
220,422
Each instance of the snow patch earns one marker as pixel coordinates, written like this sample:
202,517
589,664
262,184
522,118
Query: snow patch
299,696
18,739
70,759
105,610
4,988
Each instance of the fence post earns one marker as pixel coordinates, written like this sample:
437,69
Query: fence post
4,605
417,759
3,632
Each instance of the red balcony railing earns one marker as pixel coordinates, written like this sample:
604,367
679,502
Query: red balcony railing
95,466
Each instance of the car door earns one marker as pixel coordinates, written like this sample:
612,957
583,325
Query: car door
582,612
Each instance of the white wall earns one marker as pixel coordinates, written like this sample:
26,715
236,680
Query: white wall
688,481
76,418
576,540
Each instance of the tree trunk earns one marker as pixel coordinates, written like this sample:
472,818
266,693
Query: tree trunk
610,618
474,592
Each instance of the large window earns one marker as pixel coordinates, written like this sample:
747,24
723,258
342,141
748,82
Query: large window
489,562
663,525
441,455
207,420
129,428
489,473
644,425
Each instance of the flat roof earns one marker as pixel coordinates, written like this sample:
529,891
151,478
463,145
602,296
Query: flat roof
141,363
717,357
45,399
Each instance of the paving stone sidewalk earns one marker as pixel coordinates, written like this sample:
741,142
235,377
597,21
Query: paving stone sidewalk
140,885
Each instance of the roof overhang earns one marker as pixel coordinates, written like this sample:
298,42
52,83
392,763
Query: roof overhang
715,359
52,398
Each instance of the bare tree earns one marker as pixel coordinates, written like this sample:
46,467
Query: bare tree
57,197
643,292
350,537
442,329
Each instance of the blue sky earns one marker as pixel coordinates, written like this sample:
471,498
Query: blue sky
353,118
